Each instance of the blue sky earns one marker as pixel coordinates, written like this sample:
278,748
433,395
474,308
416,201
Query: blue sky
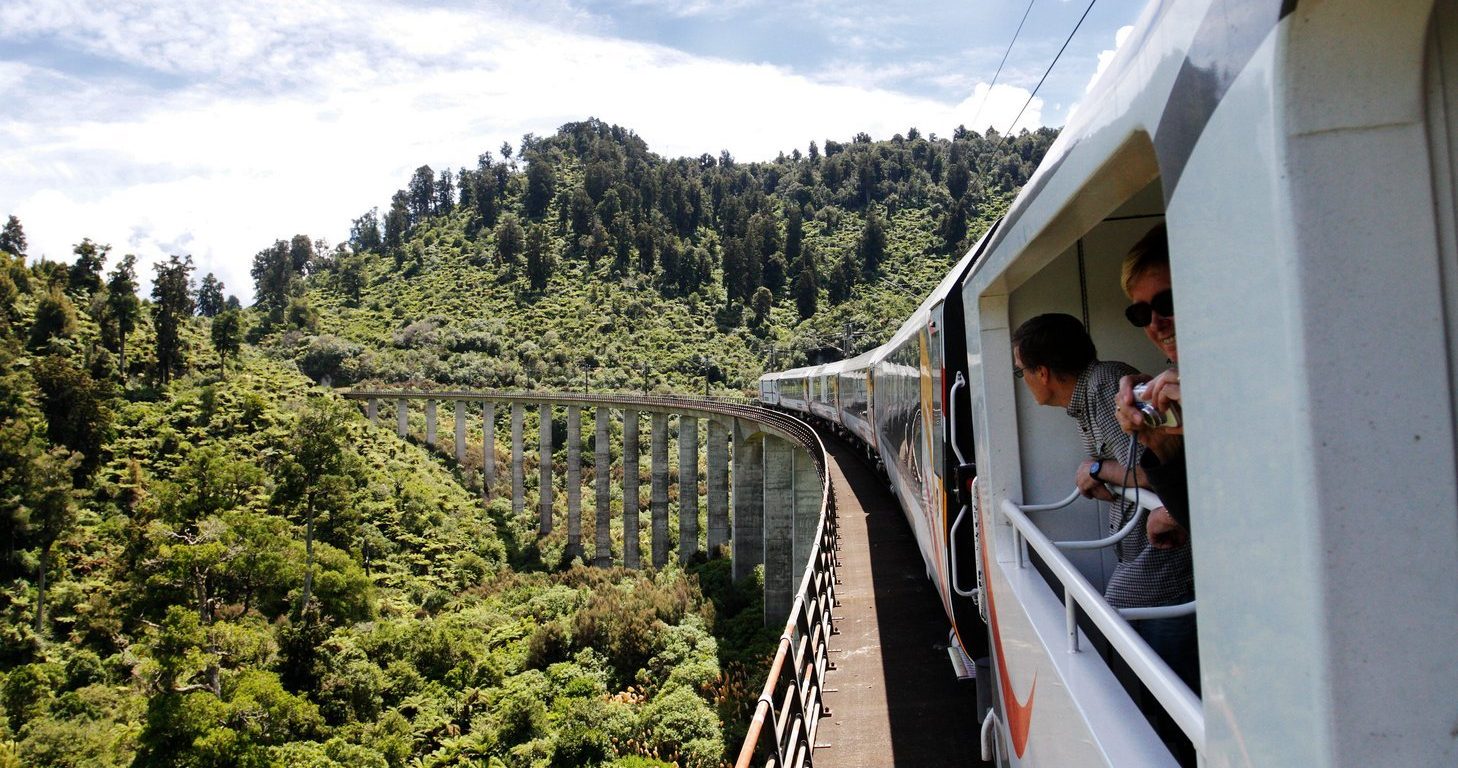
212,129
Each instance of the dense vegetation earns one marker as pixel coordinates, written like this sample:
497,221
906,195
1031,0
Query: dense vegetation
210,560
585,259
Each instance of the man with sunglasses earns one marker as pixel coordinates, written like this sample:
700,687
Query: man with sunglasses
1057,362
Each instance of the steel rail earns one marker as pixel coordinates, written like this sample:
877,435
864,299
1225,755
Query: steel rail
790,701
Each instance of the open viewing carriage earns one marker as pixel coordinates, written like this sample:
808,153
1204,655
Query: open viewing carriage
1302,156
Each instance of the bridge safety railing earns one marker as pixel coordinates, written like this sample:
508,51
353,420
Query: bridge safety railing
787,716
1168,689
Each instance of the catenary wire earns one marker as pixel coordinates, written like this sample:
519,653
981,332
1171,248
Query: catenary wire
1050,66
1000,65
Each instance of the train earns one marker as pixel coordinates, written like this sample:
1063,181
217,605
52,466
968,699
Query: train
1303,157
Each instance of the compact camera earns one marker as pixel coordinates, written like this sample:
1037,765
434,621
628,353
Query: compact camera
1152,417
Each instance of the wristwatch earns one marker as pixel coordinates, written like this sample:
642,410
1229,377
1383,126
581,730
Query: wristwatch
1093,470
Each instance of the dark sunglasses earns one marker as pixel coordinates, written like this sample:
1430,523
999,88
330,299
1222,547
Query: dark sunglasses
1142,313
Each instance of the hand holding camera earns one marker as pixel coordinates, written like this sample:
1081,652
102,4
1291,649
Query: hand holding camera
1149,407
1144,395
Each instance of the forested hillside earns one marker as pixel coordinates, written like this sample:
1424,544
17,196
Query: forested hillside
585,259
210,559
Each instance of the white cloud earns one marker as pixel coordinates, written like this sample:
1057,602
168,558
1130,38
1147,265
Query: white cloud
694,8
1107,56
219,132
997,106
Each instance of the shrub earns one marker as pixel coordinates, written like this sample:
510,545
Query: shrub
327,355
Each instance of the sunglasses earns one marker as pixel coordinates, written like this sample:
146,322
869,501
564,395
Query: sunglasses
1142,313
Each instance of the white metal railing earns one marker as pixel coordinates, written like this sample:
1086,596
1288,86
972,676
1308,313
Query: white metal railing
1177,699
1147,501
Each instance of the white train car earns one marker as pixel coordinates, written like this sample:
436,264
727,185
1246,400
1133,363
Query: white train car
769,393
824,402
853,382
786,389
1302,154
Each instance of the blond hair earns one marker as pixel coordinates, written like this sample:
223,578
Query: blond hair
1152,251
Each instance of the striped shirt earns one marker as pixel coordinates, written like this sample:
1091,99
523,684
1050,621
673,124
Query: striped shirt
1144,576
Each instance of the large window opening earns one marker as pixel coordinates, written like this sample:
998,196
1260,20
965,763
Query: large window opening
1062,426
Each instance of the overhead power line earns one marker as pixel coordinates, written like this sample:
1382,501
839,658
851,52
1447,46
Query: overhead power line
1050,65
1000,64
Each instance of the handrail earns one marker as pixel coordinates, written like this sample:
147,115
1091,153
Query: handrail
960,383
1171,692
804,642
1142,498
803,655
956,572
1147,501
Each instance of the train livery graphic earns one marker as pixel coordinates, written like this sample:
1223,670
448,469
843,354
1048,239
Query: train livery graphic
1303,156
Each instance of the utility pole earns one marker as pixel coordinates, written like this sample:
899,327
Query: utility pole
704,364
645,377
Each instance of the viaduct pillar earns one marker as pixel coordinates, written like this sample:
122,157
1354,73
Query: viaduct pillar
688,487
518,461
602,470
631,539
658,495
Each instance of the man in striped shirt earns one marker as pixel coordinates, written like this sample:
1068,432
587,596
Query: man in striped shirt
1056,359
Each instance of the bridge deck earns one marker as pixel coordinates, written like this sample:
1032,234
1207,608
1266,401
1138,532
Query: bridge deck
893,697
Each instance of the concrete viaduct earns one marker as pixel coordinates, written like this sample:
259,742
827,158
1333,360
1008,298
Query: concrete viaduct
767,498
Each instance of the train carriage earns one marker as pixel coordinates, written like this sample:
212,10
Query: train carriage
1301,155
824,402
853,382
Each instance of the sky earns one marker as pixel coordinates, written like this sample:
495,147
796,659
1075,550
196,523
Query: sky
212,129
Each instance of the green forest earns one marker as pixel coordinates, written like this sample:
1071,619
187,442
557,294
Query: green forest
212,559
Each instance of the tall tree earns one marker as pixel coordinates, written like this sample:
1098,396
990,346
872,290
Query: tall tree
794,233
12,238
171,307
318,474
20,447
540,261
350,273
55,318
85,277
510,240
807,285
53,512
761,303
227,334
210,296
397,221
445,193
122,304
871,247
421,194
273,275
541,185
301,255
842,279
76,409
487,188
364,233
